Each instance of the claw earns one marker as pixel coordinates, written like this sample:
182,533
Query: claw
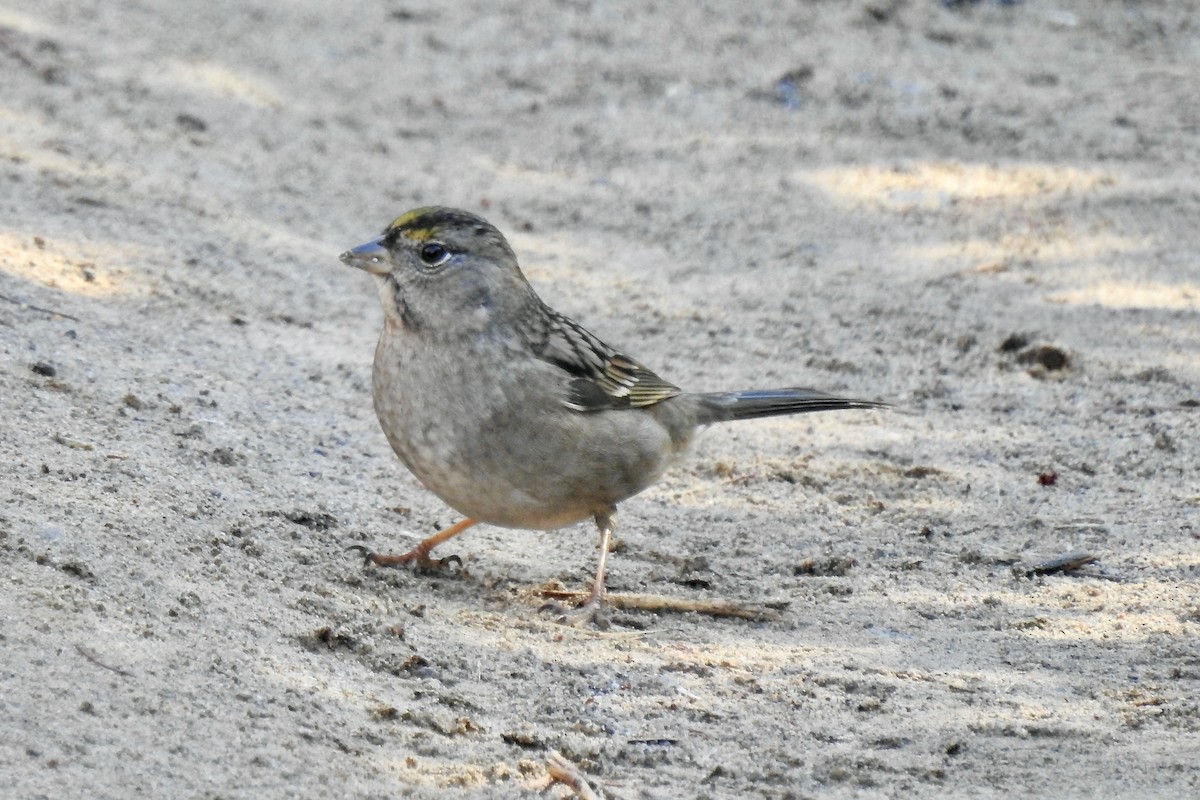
586,614
367,555
418,558
579,617
444,563
429,566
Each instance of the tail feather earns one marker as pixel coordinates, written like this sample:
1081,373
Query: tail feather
755,403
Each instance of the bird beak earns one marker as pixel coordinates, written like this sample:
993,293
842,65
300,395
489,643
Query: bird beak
371,256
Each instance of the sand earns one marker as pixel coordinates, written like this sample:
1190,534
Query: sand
985,214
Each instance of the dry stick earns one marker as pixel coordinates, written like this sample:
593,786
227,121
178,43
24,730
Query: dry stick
31,306
95,659
1064,563
566,773
675,605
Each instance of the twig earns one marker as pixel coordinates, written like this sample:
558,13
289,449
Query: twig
95,659
32,307
673,605
566,773
1064,563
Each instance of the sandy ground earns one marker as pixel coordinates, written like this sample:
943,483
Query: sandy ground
985,214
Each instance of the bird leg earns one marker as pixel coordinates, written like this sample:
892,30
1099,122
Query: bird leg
589,611
418,557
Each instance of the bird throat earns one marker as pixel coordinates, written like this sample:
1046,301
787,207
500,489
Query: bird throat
396,312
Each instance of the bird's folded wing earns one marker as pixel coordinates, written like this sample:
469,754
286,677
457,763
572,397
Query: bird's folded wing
603,378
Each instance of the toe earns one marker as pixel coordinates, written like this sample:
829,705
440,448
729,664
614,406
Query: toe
586,615
367,555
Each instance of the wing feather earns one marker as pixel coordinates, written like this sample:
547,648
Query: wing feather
604,378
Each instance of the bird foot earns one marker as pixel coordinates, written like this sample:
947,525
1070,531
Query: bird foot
591,612
417,559
587,614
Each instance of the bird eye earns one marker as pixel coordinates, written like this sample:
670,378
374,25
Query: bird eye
433,253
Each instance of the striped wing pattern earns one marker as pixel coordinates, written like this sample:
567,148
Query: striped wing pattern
604,378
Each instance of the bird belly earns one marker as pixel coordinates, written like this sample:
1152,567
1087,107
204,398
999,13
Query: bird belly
542,471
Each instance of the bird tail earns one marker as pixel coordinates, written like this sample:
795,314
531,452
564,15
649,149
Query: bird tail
755,403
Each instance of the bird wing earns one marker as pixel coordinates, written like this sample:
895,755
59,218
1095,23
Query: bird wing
603,378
